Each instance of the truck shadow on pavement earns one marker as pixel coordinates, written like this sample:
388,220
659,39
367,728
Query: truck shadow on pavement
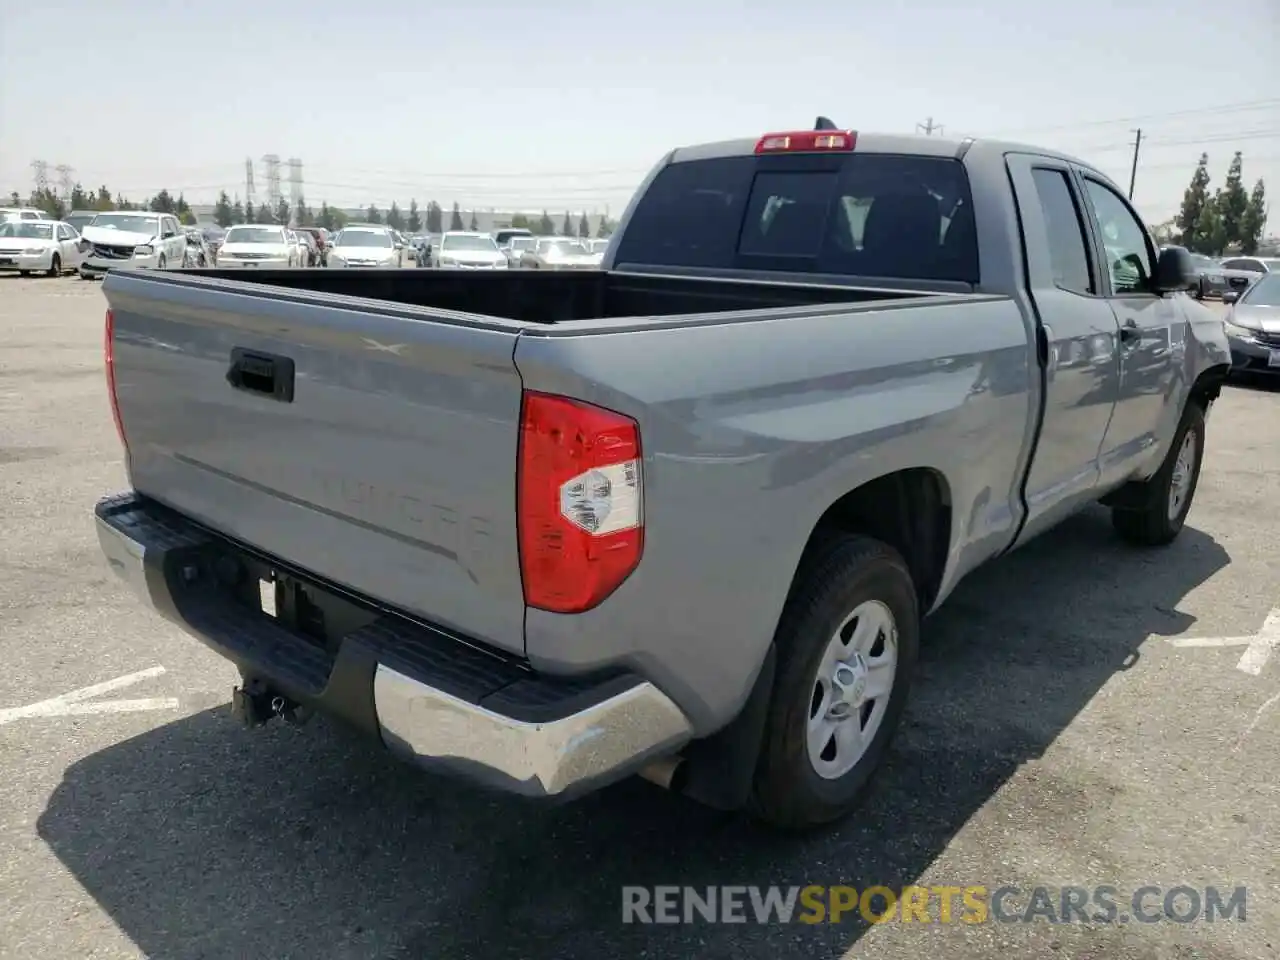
199,839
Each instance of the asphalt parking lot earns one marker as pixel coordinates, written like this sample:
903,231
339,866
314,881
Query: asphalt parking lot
1087,714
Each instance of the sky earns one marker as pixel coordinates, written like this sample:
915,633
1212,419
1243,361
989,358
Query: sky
566,105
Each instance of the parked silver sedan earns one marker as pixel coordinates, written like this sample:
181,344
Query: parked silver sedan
558,253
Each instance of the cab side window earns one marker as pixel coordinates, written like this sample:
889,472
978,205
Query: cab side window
1129,255
1068,252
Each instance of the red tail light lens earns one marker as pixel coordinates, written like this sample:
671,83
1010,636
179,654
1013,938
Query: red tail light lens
109,362
807,141
580,503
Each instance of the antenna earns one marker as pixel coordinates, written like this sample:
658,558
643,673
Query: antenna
824,123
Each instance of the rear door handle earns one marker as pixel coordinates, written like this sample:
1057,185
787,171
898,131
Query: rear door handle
1129,332
266,374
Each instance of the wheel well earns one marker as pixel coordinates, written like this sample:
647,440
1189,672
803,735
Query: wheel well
1208,385
910,510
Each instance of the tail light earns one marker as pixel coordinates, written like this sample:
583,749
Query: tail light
807,141
109,362
580,510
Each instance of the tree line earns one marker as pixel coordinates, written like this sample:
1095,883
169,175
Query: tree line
1226,220
55,206
431,219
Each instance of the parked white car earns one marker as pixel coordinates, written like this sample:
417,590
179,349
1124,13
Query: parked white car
133,238
21,213
257,245
468,250
39,246
366,247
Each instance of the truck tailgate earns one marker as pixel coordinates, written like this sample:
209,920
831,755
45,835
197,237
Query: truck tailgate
387,466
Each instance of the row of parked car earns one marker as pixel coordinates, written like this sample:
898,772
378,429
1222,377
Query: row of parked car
91,242
1220,275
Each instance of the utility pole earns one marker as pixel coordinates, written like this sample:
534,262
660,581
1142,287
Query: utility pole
272,162
248,186
928,127
41,170
64,179
1133,173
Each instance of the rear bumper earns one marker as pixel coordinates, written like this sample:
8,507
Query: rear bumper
427,695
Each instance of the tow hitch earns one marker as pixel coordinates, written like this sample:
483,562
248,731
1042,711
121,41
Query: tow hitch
255,703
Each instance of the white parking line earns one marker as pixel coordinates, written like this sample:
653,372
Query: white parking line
1262,646
1258,650
72,704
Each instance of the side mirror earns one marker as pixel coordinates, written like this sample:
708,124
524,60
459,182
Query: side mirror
1230,296
1175,271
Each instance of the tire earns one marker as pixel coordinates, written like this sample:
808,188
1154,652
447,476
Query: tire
840,575
1166,498
55,266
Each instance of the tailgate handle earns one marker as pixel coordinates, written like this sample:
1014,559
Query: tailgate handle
267,374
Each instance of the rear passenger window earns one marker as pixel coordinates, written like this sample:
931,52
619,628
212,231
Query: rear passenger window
786,214
1068,252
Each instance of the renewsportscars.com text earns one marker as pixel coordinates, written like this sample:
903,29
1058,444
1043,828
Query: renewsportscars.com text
812,904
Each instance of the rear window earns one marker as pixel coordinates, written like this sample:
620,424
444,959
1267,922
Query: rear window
870,215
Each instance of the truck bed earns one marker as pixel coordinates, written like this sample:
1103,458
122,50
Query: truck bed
550,297
364,425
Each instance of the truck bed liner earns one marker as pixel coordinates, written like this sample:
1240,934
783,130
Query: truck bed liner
550,297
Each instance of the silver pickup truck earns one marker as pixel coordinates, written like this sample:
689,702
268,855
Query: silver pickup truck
680,516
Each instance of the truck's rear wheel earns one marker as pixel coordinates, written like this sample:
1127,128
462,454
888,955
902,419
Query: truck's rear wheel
1160,513
847,645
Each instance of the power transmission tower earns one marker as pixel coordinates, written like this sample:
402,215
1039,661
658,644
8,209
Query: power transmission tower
273,180
295,183
928,127
64,179
1133,173
248,185
41,170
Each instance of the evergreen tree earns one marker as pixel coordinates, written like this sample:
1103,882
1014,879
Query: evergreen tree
414,223
455,218
222,211
1254,220
1194,201
1233,201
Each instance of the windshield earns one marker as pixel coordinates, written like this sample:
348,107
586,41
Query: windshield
128,223
80,220
561,248
364,238
254,235
27,230
1265,291
522,243
599,246
1203,262
464,242
873,215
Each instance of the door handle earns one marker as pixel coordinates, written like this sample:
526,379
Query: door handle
1129,332
267,374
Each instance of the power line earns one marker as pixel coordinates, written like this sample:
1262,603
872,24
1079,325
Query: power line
1239,105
